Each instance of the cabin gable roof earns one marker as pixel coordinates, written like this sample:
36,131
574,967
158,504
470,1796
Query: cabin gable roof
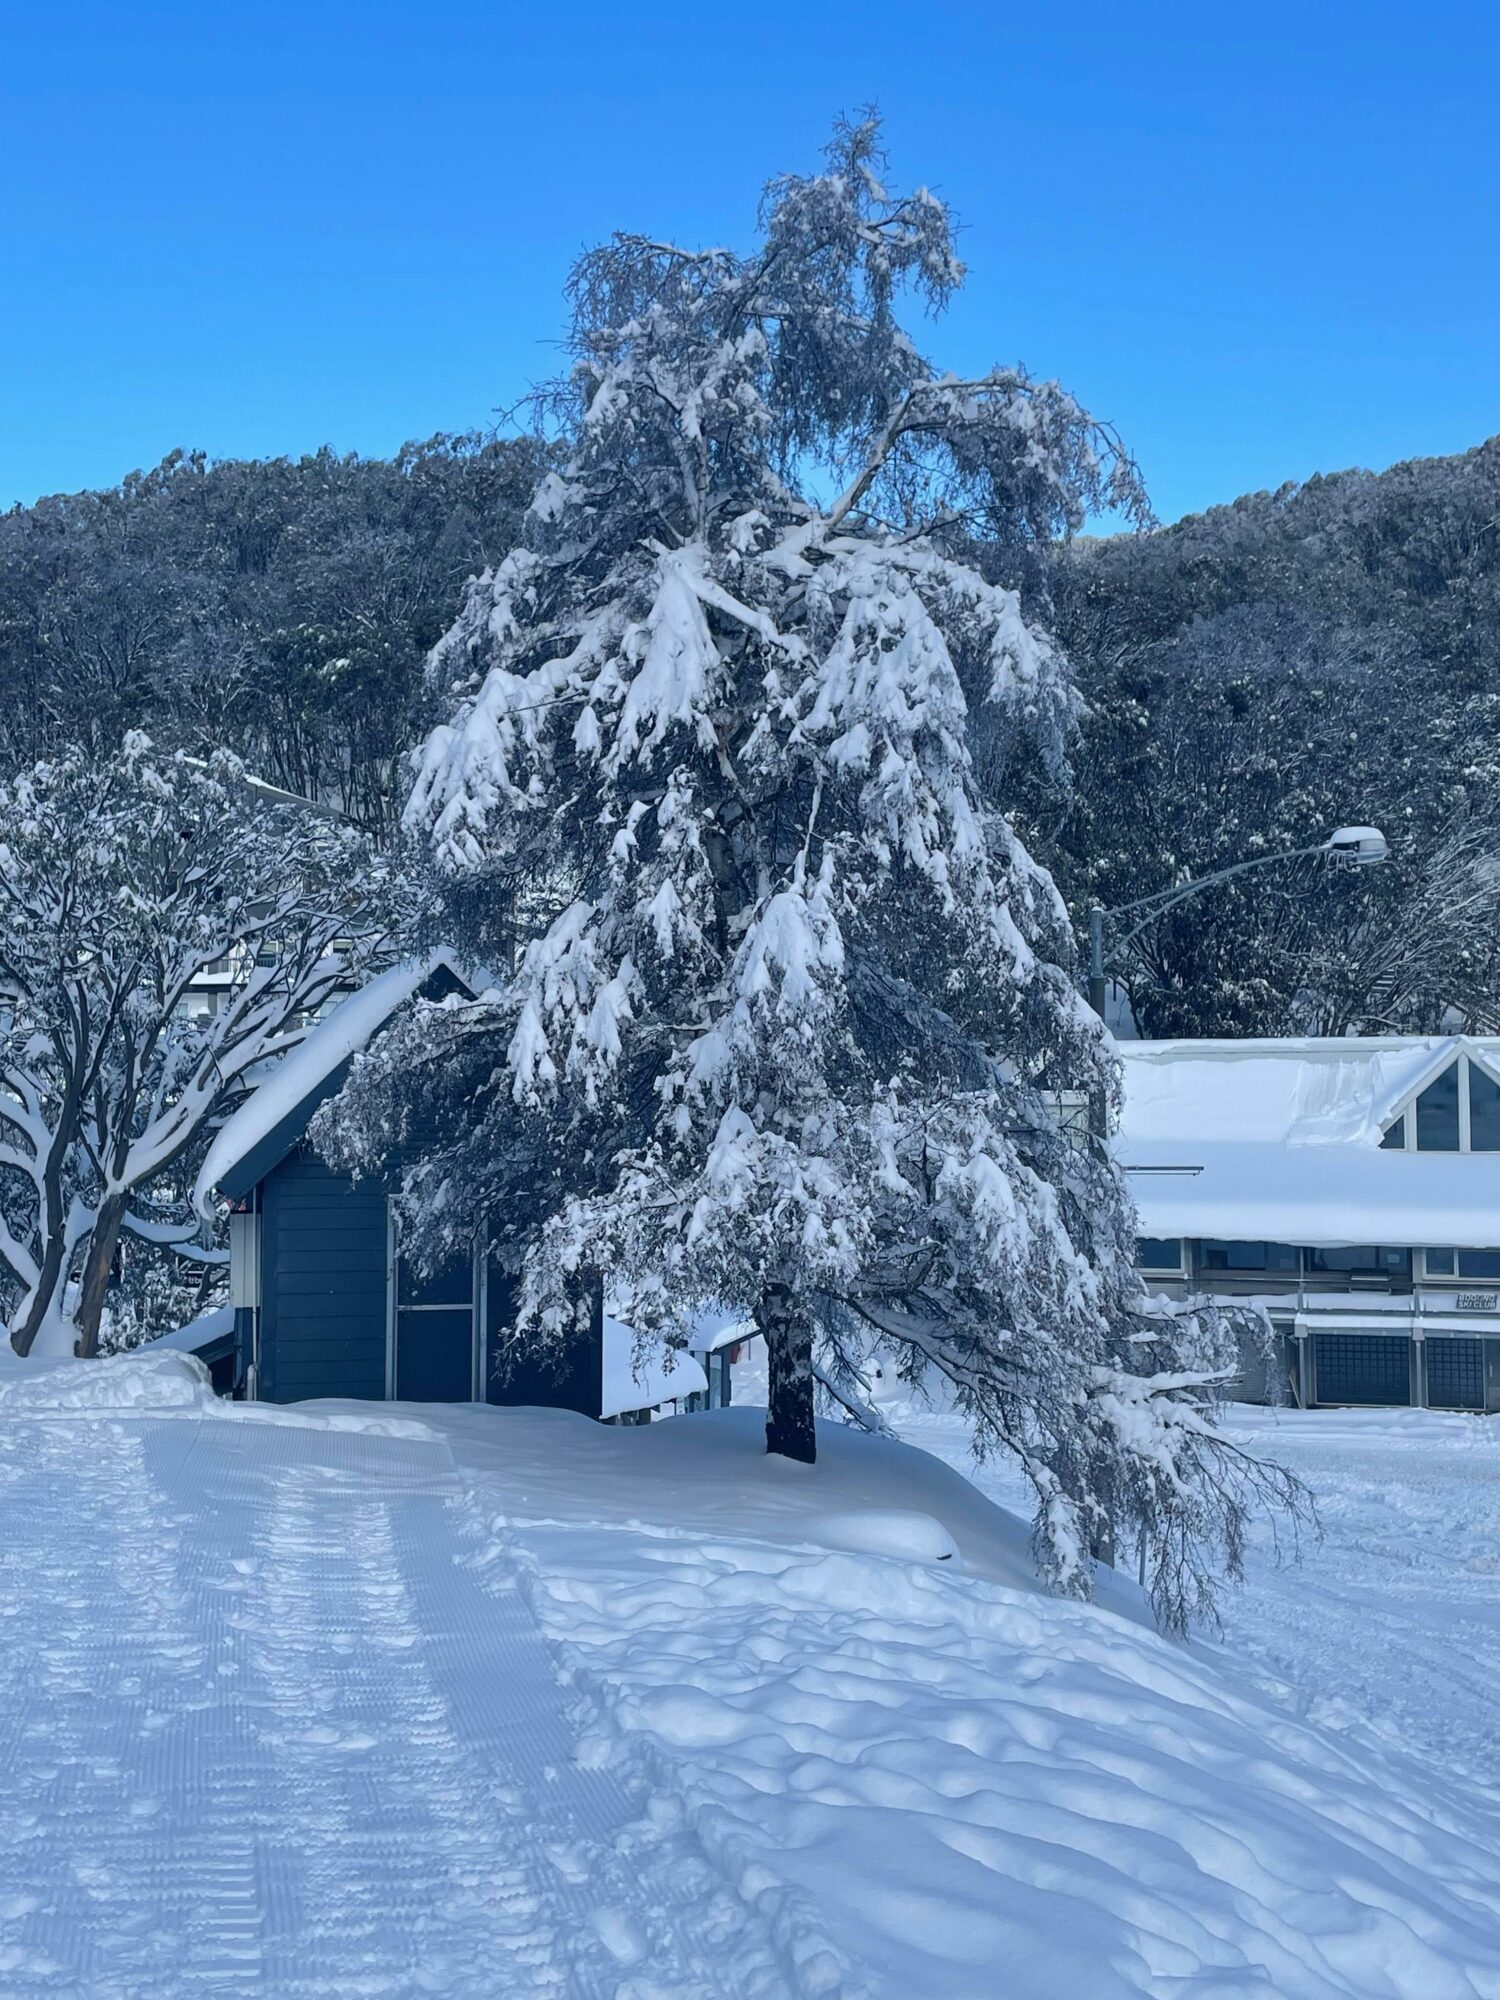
275,1117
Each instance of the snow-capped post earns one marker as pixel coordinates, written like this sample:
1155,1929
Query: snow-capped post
124,883
795,1024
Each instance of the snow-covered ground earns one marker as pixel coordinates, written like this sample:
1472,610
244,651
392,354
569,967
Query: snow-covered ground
503,1703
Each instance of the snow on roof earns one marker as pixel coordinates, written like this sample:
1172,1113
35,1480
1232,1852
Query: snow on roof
1279,1141
718,1326
303,1071
640,1381
198,1333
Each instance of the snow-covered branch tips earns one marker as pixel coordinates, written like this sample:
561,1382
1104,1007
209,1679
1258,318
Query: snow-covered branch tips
163,930
795,1010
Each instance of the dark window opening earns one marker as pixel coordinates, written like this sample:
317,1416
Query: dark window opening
1395,1136
1249,1256
1437,1114
1158,1253
1361,1260
1484,1111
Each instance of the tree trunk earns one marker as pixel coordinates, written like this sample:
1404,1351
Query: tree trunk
790,1428
53,1222
96,1270
50,1280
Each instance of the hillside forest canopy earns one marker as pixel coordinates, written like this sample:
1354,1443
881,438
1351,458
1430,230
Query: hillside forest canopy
1253,676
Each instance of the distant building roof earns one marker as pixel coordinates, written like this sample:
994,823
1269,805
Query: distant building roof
641,1371
1280,1141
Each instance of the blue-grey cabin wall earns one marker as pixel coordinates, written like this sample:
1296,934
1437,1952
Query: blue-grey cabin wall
324,1257
325,1301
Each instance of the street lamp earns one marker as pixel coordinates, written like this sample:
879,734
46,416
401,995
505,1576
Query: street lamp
1345,847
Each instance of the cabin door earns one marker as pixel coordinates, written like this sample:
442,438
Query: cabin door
435,1326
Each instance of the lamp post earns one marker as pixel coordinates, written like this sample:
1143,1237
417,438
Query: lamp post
1346,846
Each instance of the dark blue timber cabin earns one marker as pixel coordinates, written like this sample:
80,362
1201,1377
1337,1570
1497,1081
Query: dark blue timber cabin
325,1303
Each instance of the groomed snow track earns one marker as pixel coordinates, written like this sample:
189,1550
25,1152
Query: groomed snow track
275,1719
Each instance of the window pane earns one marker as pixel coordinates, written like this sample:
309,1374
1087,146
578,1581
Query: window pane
1439,1263
1484,1112
452,1284
1158,1253
1248,1256
1437,1114
1478,1264
1395,1135
1364,1260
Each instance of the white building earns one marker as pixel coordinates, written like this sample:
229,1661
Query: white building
1351,1187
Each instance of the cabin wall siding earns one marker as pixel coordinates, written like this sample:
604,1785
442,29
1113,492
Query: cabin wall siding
323,1283
324,1289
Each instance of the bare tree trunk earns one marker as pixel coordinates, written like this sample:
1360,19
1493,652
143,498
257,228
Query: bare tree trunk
54,1223
96,1270
790,1428
49,1281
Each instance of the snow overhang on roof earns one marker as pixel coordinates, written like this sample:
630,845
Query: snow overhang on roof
1279,1141
279,1110
640,1371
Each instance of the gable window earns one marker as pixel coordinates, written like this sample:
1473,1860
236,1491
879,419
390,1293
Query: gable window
1437,1114
1458,1112
1484,1111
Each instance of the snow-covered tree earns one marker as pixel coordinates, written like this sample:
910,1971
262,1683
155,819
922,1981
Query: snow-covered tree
123,883
794,1021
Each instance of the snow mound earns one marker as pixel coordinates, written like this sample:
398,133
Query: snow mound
965,1790
889,1531
139,1381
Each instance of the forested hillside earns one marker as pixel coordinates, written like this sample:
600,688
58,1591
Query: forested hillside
1260,673
280,608
1255,675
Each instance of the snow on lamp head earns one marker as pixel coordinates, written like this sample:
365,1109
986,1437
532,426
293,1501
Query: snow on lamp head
1357,846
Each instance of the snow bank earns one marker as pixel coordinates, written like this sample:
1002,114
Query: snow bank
972,1790
142,1381
710,1474
935,1782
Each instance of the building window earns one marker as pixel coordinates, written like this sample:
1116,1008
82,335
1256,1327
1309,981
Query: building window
1462,1263
1484,1111
1158,1253
1437,1114
1249,1257
1361,1260
1458,1112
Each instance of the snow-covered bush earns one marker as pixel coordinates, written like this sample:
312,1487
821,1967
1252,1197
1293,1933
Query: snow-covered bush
794,1021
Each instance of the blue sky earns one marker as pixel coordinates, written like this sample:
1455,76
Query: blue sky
1262,241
